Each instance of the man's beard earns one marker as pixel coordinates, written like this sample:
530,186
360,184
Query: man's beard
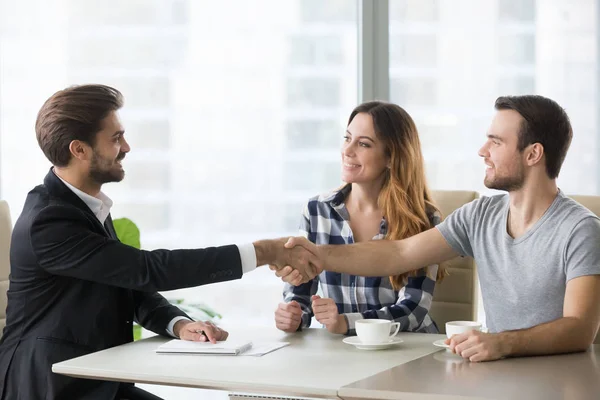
508,184
102,171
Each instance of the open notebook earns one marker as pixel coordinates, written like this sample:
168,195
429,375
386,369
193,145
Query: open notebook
183,346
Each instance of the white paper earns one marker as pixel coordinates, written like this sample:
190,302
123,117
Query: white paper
186,346
260,349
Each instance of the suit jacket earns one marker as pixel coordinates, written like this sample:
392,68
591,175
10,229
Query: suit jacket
75,289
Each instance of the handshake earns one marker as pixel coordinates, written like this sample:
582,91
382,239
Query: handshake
295,260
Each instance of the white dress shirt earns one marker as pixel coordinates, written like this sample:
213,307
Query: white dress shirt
101,205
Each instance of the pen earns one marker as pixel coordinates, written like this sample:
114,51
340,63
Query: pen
201,332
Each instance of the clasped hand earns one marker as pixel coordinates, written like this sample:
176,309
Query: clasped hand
288,316
298,262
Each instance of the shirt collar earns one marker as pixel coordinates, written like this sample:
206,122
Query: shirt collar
100,205
336,200
337,197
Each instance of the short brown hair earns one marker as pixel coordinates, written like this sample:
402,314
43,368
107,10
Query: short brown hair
74,113
544,122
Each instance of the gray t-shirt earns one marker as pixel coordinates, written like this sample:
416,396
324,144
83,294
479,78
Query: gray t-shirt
523,280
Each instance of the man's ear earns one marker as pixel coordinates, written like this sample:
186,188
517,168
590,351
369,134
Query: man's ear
535,152
80,150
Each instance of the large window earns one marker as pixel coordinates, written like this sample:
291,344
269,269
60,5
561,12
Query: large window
449,60
234,111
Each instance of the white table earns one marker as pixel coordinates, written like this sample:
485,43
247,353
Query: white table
443,375
316,364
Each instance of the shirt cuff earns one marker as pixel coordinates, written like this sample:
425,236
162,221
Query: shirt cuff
172,325
305,320
352,318
248,257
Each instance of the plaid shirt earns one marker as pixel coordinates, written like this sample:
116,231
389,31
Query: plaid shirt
325,220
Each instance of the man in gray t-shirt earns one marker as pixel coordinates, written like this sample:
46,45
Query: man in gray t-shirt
537,251
523,279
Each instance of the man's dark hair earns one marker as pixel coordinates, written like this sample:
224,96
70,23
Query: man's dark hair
544,122
75,113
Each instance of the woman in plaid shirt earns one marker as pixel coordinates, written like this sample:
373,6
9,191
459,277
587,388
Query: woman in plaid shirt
385,197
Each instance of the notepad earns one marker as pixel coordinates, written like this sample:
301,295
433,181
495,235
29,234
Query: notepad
184,346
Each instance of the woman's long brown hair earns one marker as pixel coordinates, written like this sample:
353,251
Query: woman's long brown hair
404,197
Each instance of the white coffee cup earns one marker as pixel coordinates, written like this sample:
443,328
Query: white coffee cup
458,327
375,331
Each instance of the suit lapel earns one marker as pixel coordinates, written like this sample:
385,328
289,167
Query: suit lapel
110,228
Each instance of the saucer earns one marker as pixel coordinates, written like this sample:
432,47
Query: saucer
440,343
355,341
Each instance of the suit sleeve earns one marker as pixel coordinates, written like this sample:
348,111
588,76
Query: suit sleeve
64,244
154,312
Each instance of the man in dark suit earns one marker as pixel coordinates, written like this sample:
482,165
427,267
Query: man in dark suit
74,288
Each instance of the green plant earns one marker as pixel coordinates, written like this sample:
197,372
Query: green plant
129,234
198,311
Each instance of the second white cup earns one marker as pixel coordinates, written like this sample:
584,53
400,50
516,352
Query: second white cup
376,331
458,327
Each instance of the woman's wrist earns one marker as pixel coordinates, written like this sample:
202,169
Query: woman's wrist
342,324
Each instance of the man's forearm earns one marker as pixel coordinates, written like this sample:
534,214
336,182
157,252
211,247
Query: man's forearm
374,258
564,335
268,251
388,257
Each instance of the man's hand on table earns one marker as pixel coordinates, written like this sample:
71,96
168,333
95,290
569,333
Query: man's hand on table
478,346
199,331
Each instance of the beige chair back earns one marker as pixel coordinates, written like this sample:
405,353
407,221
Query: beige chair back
5,232
455,298
593,204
